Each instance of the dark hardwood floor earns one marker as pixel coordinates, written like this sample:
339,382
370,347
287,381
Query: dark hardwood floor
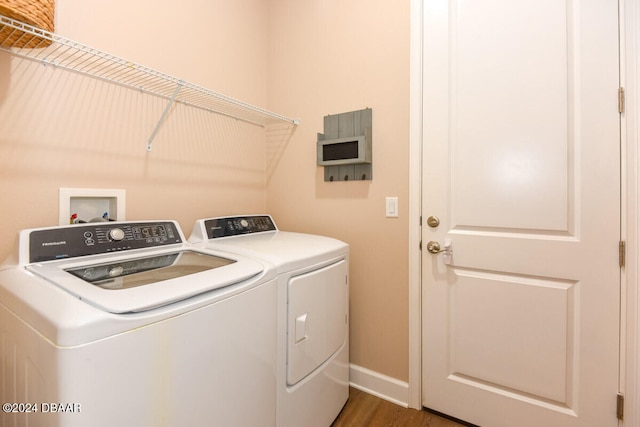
363,409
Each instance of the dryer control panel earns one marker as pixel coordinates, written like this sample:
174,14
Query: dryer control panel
234,226
99,238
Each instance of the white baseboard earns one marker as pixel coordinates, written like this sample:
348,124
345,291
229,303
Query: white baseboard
379,385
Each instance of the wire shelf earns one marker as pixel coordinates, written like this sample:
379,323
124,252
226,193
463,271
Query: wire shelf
53,50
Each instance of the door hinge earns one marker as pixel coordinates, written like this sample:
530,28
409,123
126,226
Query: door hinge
620,406
620,100
621,253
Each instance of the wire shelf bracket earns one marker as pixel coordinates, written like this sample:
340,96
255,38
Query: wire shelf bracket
163,116
60,52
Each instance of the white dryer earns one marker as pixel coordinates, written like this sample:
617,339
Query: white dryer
124,324
313,307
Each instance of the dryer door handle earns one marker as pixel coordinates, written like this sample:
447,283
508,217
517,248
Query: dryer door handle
301,328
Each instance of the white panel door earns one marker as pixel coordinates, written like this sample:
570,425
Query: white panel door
522,168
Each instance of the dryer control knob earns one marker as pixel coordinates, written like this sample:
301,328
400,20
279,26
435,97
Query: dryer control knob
116,234
244,223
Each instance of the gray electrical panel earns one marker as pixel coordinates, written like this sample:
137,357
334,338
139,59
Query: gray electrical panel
344,149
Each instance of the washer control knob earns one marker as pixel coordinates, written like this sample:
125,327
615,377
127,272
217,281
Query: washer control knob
244,223
116,234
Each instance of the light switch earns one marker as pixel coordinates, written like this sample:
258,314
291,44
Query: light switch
392,207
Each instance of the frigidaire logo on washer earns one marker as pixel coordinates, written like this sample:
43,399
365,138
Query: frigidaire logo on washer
58,243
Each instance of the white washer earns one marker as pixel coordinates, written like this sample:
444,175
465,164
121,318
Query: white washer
124,324
313,305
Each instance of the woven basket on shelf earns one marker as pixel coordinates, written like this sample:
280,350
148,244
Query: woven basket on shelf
38,13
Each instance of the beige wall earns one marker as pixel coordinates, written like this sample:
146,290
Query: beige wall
303,59
59,129
329,57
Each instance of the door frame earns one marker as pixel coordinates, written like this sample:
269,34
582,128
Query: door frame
630,210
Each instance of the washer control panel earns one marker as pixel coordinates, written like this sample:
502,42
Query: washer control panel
238,225
99,238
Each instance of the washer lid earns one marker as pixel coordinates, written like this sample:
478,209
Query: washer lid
120,284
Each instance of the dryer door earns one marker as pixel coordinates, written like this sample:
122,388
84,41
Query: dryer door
317,319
